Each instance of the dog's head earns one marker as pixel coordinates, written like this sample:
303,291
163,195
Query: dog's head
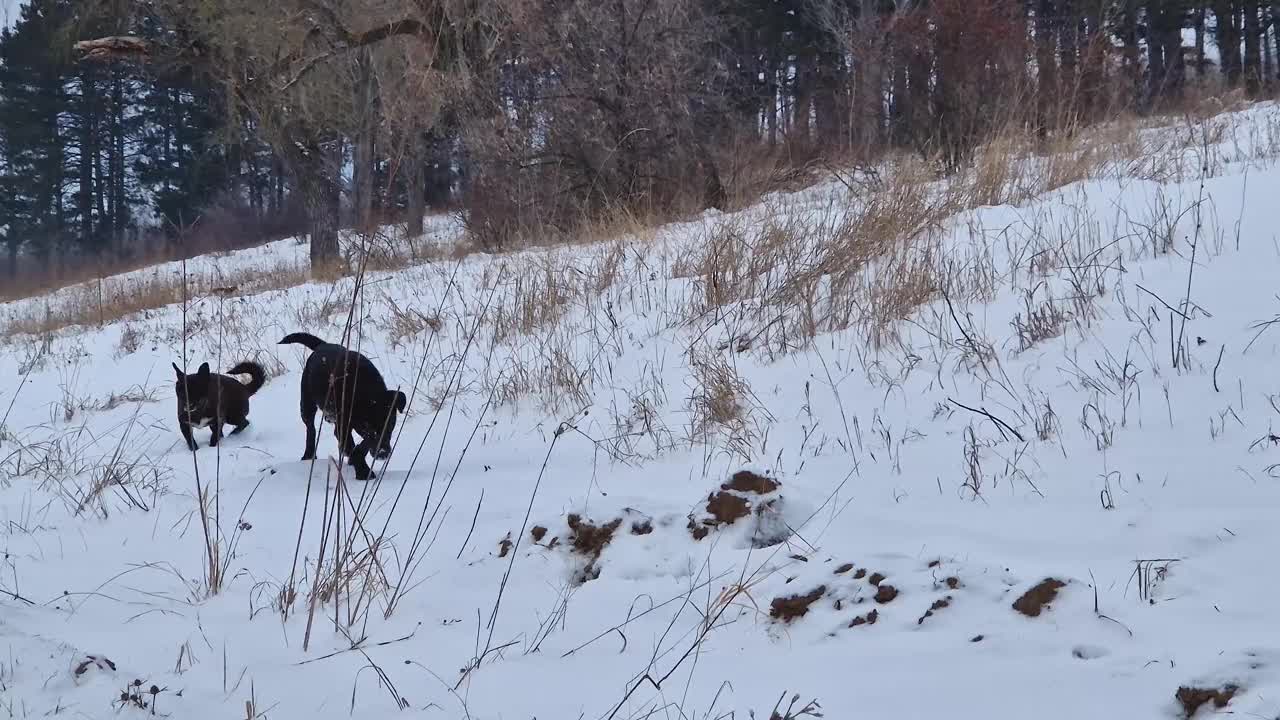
193,390
386,410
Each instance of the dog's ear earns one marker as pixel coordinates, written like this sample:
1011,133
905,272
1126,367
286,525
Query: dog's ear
178,371
399,399
204,370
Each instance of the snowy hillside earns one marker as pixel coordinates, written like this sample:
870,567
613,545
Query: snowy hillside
1003,446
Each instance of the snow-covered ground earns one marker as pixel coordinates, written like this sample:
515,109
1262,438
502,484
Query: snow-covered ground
1076,386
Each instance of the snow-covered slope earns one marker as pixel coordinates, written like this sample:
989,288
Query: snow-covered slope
921,426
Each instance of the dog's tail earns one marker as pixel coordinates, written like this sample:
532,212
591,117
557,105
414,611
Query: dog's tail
257,376
311,341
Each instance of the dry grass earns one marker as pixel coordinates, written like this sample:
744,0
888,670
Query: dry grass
89,474
768,281
111,300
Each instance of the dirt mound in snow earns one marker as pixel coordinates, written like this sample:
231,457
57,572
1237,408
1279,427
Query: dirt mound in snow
746,495
1037,599
1193,698
868,619
589,541
586,539
791,607
745,481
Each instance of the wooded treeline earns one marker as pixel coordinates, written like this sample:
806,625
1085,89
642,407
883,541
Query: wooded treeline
258,119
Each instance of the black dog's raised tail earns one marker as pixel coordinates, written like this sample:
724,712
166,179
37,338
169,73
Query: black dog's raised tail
311,341
257,376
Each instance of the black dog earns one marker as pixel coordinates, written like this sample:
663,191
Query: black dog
209,400
351,392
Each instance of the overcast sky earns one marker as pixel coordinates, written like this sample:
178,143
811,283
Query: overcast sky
9,11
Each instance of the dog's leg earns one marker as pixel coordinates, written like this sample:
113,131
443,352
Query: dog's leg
346,441
240,424
358,453
185,428
215,431
363,471
309,409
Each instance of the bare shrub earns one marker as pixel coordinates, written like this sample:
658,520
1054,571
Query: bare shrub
1040,319
131,338
609,138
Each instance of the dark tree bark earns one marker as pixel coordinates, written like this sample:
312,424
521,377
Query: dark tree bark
1201,64
85,162
1094,41
415,189
1227,30
1132,51
314,172
1252,47
1046,65
364,158
1068,51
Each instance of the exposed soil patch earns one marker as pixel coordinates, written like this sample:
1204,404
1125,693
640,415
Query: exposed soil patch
886,594
1193,698
740,497
935,607
746,481
791,607
844,568
1035,600
876,578
641,527
504,547
977,638
537,533
725,508
952,582
590,541
861,573
868,619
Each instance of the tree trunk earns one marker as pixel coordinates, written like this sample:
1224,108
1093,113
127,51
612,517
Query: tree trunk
804,96
1132,51
364,159
1175,67
1046,66
1068,47
320,196
1228,39
1199,23
1094,40
415,189
1274,35
85,194
315,175
1267,66
1252,48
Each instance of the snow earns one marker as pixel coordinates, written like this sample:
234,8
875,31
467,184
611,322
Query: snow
584,380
